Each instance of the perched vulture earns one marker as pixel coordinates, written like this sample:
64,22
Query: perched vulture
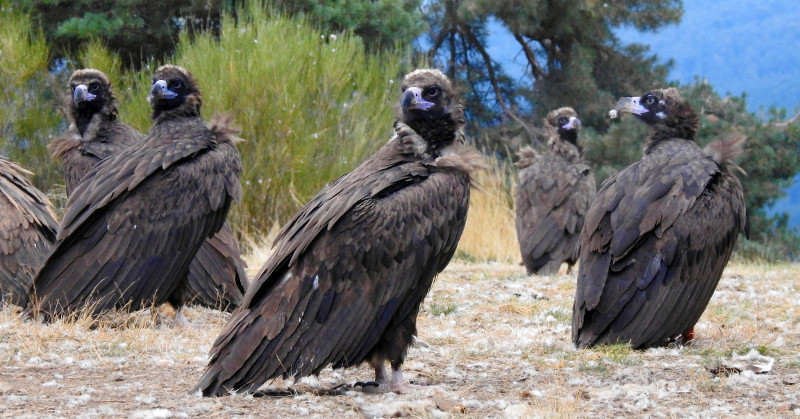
94,131
351,268
216,276
553,194
658,234
27,230
137,221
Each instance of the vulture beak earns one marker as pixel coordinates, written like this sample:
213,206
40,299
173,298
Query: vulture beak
574,123
412,99
81,94
160,91
630,105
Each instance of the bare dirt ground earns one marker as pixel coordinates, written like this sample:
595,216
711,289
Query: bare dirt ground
493,343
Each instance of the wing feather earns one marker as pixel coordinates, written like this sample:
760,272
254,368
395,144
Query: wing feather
344,267
653,249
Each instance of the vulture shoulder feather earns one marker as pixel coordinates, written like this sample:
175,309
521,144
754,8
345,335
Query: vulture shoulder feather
27,230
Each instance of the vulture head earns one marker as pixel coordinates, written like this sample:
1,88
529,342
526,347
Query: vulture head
90,93
175,91
428,95
563,123
665,110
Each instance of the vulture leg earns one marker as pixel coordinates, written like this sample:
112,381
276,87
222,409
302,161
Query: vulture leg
399,384
381,380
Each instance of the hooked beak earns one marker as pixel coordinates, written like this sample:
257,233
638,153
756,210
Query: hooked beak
160,91
629,105
574,123
412,99
81,94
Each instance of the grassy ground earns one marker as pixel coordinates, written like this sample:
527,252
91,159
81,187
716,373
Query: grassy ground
493,342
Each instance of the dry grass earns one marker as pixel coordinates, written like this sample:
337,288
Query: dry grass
493,342
490,234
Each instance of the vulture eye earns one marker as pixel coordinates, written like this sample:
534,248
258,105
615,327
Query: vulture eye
649,100
175,84
433,92
562,121
94,87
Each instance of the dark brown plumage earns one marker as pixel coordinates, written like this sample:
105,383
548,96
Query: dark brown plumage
351,268
27,230
553,194
94,131
658,234
136,222
216,276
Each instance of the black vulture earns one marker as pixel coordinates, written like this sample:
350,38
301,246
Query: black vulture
658,234
216,276
94,132
137,221
350,270
27,230
553,194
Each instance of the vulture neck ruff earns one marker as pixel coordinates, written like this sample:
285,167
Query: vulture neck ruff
566,149
86,119
188,109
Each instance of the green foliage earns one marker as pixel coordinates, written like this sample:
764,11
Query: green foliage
573,57
311,107
27,117
137,30
380,24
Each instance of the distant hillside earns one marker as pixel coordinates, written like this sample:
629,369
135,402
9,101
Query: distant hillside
738,45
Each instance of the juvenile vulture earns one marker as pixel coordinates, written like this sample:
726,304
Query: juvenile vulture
350,269
27,230
137,221
553,194
659,233
216,276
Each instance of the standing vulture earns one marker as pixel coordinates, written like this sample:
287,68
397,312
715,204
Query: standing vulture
27,230
659,233
137,221
553,194
216,275
351,268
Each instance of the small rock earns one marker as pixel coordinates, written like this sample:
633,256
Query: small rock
5,388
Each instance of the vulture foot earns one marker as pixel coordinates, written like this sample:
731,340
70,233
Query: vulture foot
382,384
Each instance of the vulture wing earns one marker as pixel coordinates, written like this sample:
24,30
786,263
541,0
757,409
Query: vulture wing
81,155
135,224
553,195
27,230
351,267
653,248
216,276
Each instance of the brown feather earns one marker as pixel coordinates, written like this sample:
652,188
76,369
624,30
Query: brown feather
350,269
553,195
27,230
136,222
657,237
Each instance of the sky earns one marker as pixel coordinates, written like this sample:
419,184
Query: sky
738,46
